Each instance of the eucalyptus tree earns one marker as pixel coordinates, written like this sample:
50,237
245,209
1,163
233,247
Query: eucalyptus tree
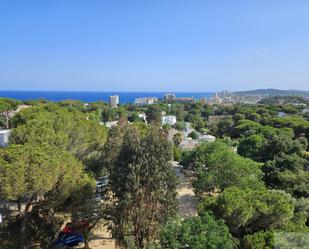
141,183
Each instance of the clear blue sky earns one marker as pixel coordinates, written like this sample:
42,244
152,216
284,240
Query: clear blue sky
154,45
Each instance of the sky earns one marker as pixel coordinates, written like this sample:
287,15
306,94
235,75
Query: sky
154,45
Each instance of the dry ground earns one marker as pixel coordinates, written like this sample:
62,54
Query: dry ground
187,201
101,239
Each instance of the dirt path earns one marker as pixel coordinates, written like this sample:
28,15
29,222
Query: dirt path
187,201
101,239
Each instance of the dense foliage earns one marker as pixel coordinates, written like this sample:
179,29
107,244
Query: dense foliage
196,233
218,167
62,127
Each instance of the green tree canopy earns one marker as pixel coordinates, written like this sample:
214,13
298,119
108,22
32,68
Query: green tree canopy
61,127
218,167
247,210
154,114
253,146
37,176
196,233
259,240
193,135
288,172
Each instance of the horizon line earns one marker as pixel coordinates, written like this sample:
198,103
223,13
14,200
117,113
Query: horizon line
134,91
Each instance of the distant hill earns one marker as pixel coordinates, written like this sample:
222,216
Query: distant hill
273,92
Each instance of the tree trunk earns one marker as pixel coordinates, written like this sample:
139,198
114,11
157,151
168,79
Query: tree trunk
7,119
86,243
23,232
7,123
23,225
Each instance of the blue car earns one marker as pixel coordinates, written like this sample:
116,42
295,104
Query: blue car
70,239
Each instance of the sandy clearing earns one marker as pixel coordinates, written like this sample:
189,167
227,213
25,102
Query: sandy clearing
187,200
101,239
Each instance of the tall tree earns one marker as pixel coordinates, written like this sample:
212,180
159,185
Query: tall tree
142,183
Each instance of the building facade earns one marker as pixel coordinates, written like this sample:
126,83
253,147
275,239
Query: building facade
169,97
169,120
4,137
145,101
114,101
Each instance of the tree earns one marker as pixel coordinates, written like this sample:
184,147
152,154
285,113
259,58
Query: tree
288,172
197,121
34,176
283,143
253,147
218,167
63,128
225,127
134,117
6,106
237,117
196,233
176,153
109,114
253,116
142,183
248,210
245,127
154,114
193,135
259,240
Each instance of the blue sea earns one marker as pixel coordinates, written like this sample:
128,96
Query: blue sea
124,97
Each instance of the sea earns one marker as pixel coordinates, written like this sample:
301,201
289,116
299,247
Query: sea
124,97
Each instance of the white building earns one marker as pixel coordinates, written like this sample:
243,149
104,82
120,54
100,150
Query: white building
208,138
203,100
216,99
187,131
142,116
111,124
282,114
145,101
169,96
4,137
188,144
114,101
305,110
169,120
